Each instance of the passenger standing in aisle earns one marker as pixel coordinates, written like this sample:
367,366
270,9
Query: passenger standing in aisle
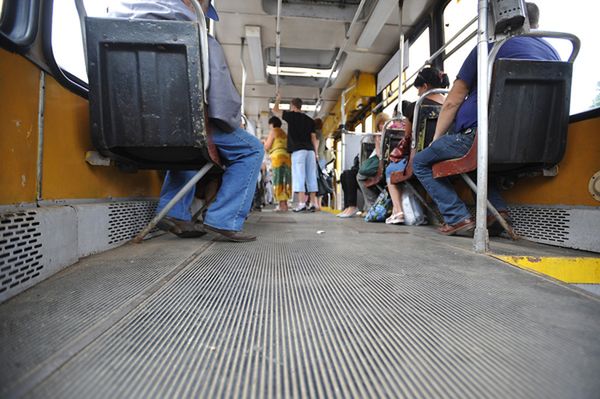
241,152
303,145
281,163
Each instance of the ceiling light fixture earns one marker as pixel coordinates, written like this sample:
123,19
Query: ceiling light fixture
286,107
300,72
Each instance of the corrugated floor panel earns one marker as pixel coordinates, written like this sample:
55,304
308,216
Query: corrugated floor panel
44,319
345,313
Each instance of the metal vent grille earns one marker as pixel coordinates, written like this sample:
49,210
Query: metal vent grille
126,219
20,249
547,225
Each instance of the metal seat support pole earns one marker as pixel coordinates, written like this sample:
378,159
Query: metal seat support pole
492,209
184,190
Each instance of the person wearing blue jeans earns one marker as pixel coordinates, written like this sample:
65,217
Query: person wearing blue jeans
460,110
241,152
453,209
242,155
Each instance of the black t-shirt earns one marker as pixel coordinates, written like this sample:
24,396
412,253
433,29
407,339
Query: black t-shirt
300,126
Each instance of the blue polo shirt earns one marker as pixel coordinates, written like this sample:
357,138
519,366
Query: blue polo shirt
526,48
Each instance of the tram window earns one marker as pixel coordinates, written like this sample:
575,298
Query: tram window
456,15
390,108
358,128
67,39
369,124
418,51
579,18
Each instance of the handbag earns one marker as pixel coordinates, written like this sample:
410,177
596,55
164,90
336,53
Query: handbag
413,212
323,185
381,209
402,149
369,167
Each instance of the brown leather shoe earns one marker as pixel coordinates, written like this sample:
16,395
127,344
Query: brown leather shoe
451,229
181,228
234,236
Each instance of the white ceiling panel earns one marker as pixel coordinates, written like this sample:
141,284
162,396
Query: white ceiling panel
305,33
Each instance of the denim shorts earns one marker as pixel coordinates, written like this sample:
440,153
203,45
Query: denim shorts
394,167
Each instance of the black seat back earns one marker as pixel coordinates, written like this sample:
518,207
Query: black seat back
528,113
427,120
146,92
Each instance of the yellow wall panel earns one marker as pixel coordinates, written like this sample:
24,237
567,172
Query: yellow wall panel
66,174
19,90
570,186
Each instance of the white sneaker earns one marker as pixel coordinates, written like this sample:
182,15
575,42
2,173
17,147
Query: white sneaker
396,218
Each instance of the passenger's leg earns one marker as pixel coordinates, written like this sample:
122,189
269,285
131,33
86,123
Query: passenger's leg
242,153
174,180
299,176
494,196
394,189
311,178
441,190
349,187
369,194
396,196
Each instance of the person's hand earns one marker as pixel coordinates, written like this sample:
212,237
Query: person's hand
278,97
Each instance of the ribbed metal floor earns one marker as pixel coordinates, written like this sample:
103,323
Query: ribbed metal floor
357,311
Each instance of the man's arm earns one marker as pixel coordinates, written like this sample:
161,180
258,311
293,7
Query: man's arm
276,111
315,143
455,98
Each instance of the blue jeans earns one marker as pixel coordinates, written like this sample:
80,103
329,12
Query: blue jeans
449,146
242,153
304,171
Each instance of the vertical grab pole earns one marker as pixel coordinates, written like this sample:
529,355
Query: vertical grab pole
480,240
277,46
401,58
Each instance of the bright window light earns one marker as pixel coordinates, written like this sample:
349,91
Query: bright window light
301,72
286,107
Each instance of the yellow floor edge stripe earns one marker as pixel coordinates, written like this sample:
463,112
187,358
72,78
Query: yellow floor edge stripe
569,270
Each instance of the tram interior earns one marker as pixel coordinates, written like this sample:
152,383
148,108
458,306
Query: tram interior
318,306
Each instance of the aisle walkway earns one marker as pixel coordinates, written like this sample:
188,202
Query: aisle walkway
317,307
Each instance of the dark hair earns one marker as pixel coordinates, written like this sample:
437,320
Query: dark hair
297,102
533,14
318,123
433,77
275,121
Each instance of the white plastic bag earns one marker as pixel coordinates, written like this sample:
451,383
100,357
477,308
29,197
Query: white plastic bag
413,212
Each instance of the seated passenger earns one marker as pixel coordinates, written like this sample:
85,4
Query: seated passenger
240,151
370,194
349,188
458,118
427,79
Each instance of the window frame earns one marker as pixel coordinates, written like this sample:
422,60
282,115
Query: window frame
65,78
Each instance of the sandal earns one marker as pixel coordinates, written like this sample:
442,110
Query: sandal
396,218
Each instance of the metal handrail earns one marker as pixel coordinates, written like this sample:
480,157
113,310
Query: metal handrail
436,54
338,56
